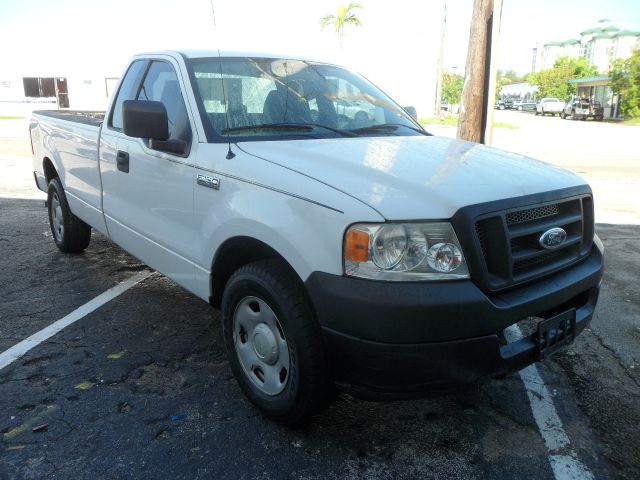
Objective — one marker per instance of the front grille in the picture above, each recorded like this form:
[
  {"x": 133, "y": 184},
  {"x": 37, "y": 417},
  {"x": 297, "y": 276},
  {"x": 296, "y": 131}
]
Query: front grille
[
  {"x": 509, "y": 240},
  {"x": 532, "y": 214}
]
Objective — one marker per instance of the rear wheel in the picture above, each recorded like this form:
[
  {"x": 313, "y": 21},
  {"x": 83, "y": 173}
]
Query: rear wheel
[
  {"x": 70, "y": 234},
  {"x": 273, "y": 342}
]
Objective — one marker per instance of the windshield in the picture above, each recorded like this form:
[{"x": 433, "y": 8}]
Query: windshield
[{"x": 244, "y": 99}]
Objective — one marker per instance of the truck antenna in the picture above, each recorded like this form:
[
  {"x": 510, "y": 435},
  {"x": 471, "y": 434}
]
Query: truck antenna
[{"x": 230, "y": 153}]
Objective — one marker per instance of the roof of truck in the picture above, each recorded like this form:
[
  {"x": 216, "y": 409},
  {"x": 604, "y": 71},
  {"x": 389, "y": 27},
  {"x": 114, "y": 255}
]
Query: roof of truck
[{"x": 232, "y": 53}]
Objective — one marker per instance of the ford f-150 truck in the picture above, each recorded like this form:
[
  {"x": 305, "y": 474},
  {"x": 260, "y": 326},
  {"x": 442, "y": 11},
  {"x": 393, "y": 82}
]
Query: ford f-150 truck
[
  {"x": 344, "y": 245},
  {"x": 549, "y": 105}
]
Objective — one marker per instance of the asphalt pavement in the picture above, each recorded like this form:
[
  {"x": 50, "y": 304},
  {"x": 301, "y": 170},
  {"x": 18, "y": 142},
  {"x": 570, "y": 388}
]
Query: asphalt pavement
[{"x": 140, "y": 387}]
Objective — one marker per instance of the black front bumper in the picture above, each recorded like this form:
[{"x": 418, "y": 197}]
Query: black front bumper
[{"x": 396, "y": 339}]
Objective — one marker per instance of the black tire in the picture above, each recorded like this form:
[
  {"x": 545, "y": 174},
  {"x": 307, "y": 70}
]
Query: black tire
[
  {"x": 306, "y": 387},
  {"x": 563, "y": 115},
  {"x": 70, "y": 234},
  {"x": 537, "y": 113}
]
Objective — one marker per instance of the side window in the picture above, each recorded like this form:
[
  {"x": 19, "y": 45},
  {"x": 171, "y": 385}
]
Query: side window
[
  {"x": 161, "y": 85},
  {"x": 127, "y": 91}
]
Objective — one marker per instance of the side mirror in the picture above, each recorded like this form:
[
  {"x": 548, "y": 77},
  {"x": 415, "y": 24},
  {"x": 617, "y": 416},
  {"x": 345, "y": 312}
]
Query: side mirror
[
  {"x": 412, "y": 112},
  {"x": 148, "y": 119},
  {"x": 145, "y": 119}
]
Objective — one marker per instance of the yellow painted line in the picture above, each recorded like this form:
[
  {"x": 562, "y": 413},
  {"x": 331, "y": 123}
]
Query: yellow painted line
[
  {"x": 29, "y": 424},
  {"x": 117, "y": 355},
  {"x": 84, "y": 386}
]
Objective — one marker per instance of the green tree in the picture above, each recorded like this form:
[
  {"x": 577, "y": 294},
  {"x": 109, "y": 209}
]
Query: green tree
[
  {"x": 579, "y": 67},
  {"x": 553, "y": 81},
  {"x": 625, "y": 80},
  {"x": 452, "y": 87},
  {"x": 344, "y": 17}
]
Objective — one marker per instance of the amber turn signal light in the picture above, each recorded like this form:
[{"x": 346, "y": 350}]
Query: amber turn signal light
[{"x": 356, "y": 247}]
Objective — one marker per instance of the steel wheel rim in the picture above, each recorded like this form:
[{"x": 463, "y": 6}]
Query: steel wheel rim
[
  {"x": 260, "y": 345},
  {"x": 57, "y": 222}
]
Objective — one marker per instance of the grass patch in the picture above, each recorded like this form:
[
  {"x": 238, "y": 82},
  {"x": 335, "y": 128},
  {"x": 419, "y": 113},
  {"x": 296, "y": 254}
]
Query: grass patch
[
  {"x": 632, "y": 121},
  {"x": 450, "y": 120},
  {"x": 510, "y": 126},
  {"x": 11, "y": 117}
]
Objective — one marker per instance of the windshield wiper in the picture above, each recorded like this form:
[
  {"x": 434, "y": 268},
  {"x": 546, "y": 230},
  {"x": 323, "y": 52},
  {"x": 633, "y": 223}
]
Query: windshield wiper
[
  {"x": 306, "y": 127},
  {"x": 390, "y": 127}
]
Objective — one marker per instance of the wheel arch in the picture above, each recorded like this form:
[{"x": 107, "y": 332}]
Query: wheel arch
[
  {"x": 49, "y": 169},
  {"x": 234, "y": 253}
]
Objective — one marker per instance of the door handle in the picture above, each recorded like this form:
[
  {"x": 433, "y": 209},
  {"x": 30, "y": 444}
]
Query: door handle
[{"x": 122, "y": 159}]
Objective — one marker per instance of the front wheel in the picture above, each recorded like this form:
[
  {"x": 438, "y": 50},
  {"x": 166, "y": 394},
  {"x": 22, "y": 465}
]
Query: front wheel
[
  {"x": 274, "y": 343},
  {"x": 70, "y": 234},
  {"x": 563, "y": 115}
]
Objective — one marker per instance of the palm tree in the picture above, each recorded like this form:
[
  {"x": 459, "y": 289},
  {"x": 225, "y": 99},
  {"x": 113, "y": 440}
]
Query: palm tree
[{"x": 344, "y": 16}]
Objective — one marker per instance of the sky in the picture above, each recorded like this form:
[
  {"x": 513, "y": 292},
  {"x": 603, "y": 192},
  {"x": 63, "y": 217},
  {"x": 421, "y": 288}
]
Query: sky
[{"x": 397, "y": 43}]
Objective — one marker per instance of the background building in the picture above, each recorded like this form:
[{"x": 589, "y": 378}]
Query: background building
[
  {"x": 601, "y": 46},
  {"x": 521, "y": 90}
]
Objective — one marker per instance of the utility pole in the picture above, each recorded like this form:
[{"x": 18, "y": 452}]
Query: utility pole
[
  {"x": 476, "y": 109},
  {"x": 438, "y": 104}
]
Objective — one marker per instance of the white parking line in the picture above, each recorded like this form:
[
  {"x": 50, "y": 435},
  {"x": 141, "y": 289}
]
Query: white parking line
[
  {"x": 14, "y": 353},
  {"x": 564, "y": 461}
]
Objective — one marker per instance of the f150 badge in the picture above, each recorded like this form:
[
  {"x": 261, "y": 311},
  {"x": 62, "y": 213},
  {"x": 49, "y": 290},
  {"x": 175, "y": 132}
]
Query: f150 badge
[
  {"x": 553, "y": 238},
  {"x": 208, "y": 181}
]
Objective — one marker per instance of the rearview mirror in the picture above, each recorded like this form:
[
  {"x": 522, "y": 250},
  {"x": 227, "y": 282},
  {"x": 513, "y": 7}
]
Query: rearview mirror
[
  {"x": 145, "y": 119},
  {"x": 412, "y": 112}
]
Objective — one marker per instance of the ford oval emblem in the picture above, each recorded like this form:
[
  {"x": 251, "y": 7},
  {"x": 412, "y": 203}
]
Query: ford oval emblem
[{"x": 553, "y": 238}]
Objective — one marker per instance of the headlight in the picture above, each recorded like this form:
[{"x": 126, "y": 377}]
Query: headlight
[{"x": 404, "y": 252}]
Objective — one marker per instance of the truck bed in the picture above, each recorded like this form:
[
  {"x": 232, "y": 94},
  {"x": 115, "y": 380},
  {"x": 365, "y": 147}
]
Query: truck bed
[{"x": 87, "y": 117}]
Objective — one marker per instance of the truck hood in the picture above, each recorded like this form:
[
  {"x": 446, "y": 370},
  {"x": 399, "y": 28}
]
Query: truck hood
[{"x": 412, "y": 178}]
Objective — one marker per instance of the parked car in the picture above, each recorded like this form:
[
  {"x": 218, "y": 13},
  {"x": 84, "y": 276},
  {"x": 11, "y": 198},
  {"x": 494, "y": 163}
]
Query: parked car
[
  {"x": 550, "y": 106},
  {"x": 506, "y": 103},
  {"x": 524, "y": 104},
  {"x": 348, "y": 257},
  {"x": 581, "y": 108}
]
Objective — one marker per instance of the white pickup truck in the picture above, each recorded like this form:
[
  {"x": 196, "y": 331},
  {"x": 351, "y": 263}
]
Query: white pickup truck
[
  {"x": 552, "y": 106},
  {"x": 344, "y": 245}
]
